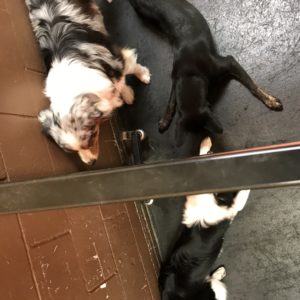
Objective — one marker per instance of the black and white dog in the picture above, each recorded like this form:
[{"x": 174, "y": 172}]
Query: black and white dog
[
  {"x": 86, "y": 72},
  {"x": 197, "y": 65},
  {"x": 187, "y": 273}
]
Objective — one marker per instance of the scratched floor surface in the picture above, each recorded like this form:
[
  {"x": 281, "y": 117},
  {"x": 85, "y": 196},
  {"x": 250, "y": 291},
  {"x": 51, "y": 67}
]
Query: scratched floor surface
[{"x": 84, "y": 254}]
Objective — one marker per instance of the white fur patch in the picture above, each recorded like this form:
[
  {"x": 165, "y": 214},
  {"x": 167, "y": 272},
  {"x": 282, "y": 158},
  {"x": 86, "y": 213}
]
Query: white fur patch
[
  {"x": 240, "y": 199},
  {"x": 44, "y": 13},
  {"x": 69, "y": 79},
  {"x": 203, "y": 209},
  {"x": 205, "y": 146},
  {"x": 70, "y": 139},
  {"x": 219, "y": 289},
  {"x": 132, "y": 67},
  {"x": 219, "y": 273}
]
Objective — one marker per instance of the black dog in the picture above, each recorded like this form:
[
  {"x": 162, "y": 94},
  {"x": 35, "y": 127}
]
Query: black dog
[
  {"x": 186, "y": 274},
  {"x": 197, "y": 65}
]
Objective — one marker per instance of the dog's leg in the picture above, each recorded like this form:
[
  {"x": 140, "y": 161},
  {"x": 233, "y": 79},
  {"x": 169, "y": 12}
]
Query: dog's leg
[
  {"x": 127, "y": 94},
  {"x": 230, "y": 66},
  {"x": 166, "y": 120},
  {"x": 132, "y": 67},
  {"x": 180, "y": 133},
  {"x": 125, "y": 91}
]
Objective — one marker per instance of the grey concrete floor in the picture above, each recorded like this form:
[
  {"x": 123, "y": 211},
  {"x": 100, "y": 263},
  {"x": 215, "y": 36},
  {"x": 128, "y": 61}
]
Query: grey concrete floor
[{"x": 262, "y": 248}]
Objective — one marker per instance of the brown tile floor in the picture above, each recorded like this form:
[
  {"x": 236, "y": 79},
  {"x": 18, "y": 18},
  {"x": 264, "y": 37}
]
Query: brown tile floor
[{"x": 86, "y": 253}]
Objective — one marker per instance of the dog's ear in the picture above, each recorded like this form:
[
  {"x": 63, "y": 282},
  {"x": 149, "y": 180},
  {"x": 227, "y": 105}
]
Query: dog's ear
[
  {"x": 212, "y": 124},
  {"x": 216, "y": 284},
  {"x": 240, "y": 199},
  {"x": 219, "y": 273}
]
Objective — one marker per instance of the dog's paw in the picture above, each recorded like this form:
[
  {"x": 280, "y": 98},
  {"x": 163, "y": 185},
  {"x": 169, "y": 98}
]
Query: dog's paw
[
  {"x": 274, "y": 103},
  {"x": 127, "y": 95},
  {"x": 145, "y": 76},
  {"x": 46, "y": 118},
  {"x": 163, "y": 125},
  {"x": 205, "y": 146},
  {"x": 270, "y": 101},
  {"x": 42, "y": 116},
  {"x": 109, "y": 1}
]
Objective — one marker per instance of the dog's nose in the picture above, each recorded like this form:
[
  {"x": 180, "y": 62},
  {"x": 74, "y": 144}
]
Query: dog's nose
[{"x": 92, "y": 162}]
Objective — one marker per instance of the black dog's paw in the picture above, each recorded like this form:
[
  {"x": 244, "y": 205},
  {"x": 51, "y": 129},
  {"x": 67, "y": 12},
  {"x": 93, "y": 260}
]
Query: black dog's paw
[
  {"x": 163, "y": 125},
  {"x": 272, "y": 102},
  {"x": 275, "y": 104}
]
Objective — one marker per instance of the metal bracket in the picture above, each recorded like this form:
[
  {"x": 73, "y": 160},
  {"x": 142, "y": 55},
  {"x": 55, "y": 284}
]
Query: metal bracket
[
  {"x": 132, "y": 141},
  {"x": 134, "y": 138}
]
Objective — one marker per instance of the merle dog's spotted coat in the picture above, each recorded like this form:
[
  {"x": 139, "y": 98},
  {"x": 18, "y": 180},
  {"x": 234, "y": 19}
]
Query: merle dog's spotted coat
[
  {"x": 86, "y": 72},
  {"x": 62, "y": 27}
]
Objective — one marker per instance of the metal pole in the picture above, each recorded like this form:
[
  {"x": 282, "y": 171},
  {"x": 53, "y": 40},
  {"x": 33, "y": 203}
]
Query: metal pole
[{"x": 253, "y": 169}]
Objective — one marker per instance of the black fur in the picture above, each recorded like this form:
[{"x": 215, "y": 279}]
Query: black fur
[
  {"x": 184, "y": 274},
  {"x": 197, "y": 65}
]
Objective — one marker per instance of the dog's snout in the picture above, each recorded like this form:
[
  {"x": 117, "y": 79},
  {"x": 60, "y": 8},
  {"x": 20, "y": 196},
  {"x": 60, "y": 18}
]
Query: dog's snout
[
  {"x": 88, "y": 157},
  {"x": 92, "y": 162}
]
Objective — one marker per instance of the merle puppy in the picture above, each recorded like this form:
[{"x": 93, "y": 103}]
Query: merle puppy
[
  {"x": 197, "y": 65},
  {"x": 187, "y": 273},
  {"x": 86, "y": 72}
]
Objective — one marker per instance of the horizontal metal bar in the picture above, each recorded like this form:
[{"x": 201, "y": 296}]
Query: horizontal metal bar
[{"x": 255, "y": 169}]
